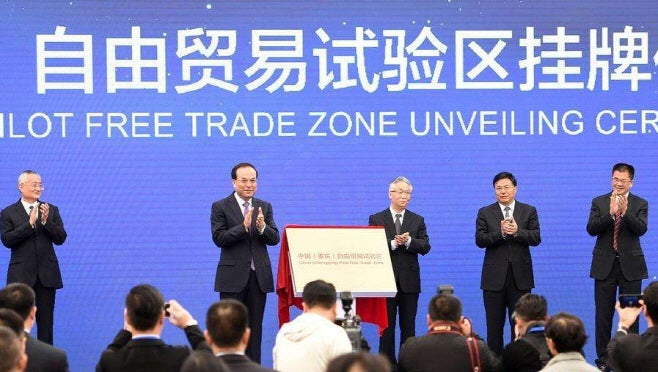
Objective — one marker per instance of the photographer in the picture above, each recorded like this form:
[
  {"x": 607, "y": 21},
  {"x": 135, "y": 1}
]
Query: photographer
[
  {"x": 529, "y": 351},
  {"x": 310, "y": 341},
  {"x": 632, "y": 352},
  {"x": 138, "y": 346},
  {"x": 449, "y": 345}
]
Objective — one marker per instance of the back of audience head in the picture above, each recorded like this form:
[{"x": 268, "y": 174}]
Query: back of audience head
[
  {"x": 12, "y": 351},
  {"x": 319, "y": 293},
  {"x": 359, "y": 362},
  {"x": 144, "y": 307},
  {"x": 531, "y": 307},
  {"x": 18, "y": 297},
  {"x": 10, "y": 319},
  {"x": 565, "y": 333},
  {"x": 650, "y": 300},
  {"x": 444, "y": 307},
  {"x": 203, "y": 361},
  {"x": 227, "y": 323}
]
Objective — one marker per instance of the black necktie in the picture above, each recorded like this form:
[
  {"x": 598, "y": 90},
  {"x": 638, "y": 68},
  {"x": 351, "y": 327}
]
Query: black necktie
[
  {"x": 398, "y": 224},
  {"x": 507, "y": 212}
]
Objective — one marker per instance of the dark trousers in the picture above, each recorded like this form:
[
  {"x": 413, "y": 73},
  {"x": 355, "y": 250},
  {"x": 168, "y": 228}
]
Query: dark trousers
[
  {"x": 45, "y": 303},
  {"x": 407, "y": 303},
  {"x": 605, "y": 297},
  {"x": 496, "y": 303},
  {"x": 254, "y": 300}
]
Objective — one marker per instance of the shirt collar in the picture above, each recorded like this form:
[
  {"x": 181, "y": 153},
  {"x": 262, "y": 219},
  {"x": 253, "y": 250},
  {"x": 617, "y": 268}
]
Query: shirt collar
[
  {"x": 27, "y": 205},
  {"x": 393, "y": 213},
  {"x": 511, "y": 207},
  {"x": 241, "y": 201},
  {"x": 147, "y": 336}
]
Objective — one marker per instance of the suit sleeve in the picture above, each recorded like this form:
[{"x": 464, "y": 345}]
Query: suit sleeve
[
  {"x": 637, "y": 222},
  {"x": 421, "y": 242},
  {"x": 483, "y": 236},
  {"x": 14, "y": 234},
  {"x": 599, "y": 220},
  {"x": 222, "y": 235},
  {"x": 54, "y": 227},
  {"x": 490, "y": 362},
  {"x": 622, "y": 349},
  {"x": 270, "y": 235},
  {"x": 529, "y": 233},
  {"x": 372, "y": 221},
  {"x": 196, "y": 339},
  {"x": 120, "y": 340}
]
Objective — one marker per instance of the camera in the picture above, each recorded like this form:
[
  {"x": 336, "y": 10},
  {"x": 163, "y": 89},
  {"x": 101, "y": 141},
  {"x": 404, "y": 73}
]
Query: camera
[
  {"x": 352, "y": 323},
  {"x": 630, "y": 300},
  {"x": 445, "y": 289}
]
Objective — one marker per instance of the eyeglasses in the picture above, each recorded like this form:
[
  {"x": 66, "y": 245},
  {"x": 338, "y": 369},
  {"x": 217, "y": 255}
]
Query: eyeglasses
[
  {"x": 619, "y": 180},
  {"x": 35, "y": 186},
  {"x": 244, "y": 181},
  {"x": 506, "y": 188},
  {"x": 401, "y": 192}
]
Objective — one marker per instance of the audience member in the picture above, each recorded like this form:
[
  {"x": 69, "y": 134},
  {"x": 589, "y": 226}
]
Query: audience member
[
  {"x": 12, "y": 353},
  {"x": 632, "y": 352},
  {"x": 565, "y": 335},
  {"x": 310, "y": 341},
  {"x": 10, "y": 319},
  {"x": 138, "y": 346},
  {"x": 41, "y": 356},
  {"x": 449, "y": 345},
  {"x": 228, "y": 332},
  {"x": 529, "y": 352},
  {"x": 203, "y": 361},
  {"x": 359, "y": 362}
]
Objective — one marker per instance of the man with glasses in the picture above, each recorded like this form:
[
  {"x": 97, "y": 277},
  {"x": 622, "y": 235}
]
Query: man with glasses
[
  {"x": 406, "y": 238},
  {"x": 618, "y": 219},
  {"x": 30, "y": 227},
  {"x": 242, "y": 227},
  {"x": 506, "y": 230}
]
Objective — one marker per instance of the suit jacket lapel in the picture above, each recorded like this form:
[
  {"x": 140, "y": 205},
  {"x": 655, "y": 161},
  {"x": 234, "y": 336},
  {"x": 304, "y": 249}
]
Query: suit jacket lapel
[
  {"x": 20, "y": 211},
  {"x": 518, "y": 209},
  {"x": 406, "y": 222},
  {"x": 389, "y": 224},
  {"x": 236, "y": 209}
]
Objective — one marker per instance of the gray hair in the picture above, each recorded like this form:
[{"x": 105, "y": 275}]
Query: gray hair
[
  {"x": 23, "y": 176},
  {"x": 398, "y": 180}
]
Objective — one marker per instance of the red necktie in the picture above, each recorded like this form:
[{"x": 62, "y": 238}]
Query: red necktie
[{"x": 615, "y": 234}]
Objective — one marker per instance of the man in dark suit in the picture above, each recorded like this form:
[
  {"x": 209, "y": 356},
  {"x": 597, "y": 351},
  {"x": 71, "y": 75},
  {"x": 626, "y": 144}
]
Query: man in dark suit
[
  {"x": 243, "y": 226},
  {"x": 529, "y": 351},
  {"x": 228, "y": 335},
  {"x": 506, "y": 229},
  {"x": 449, "y": 345},
  {"x": 618, "y": 219},
  {"x": 632, "y": 352},
  {"x": 406, "y": 238},
  {"x": 138, "y": 347},
  {"x": 41, "y": 356},
  {"x": 30, "y": 228}
]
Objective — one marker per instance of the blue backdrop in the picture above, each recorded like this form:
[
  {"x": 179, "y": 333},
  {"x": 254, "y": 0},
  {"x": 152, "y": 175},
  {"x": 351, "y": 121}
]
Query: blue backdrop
[{"x": 134, "y": 113}]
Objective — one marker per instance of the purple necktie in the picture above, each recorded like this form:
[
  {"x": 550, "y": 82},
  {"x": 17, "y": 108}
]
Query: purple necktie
[{"x": 244, "y": 213}]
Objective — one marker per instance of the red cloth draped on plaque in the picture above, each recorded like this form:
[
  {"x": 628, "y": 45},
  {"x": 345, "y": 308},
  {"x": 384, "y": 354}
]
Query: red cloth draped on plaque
[{"x": 370, "y": 309}]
